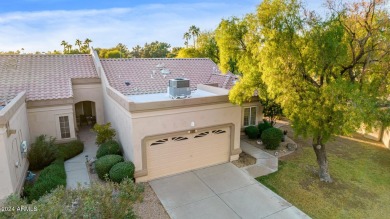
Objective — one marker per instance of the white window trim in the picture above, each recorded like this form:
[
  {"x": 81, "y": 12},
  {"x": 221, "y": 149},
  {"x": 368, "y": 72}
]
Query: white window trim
[{"x": 250, "y": 112}]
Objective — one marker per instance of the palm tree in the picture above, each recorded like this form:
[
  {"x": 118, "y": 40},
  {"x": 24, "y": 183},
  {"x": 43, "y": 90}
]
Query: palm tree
[
  {"x": 69, "y": 47},
  {"x": 87, "y": 42},
  {"x": 186, "y": 37},
  {"x": 194, "y": 31},
  {"x": 78, "y": 43},
  {"x": 64, "y": 44}
]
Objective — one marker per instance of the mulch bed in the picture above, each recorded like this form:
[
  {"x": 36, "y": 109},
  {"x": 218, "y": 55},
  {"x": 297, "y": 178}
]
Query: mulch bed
[{"x": 244, "y": 160}]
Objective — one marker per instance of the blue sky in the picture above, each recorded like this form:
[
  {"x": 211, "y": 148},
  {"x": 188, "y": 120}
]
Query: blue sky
[{"x": 40, "y": 25}]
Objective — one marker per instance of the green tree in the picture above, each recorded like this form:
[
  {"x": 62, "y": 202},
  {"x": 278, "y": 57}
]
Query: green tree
[
  {"x": 207, "y": 45},
  {"x": 125, "y": 53},
  {"x": 104, "y": 133},
  {"x": 154, "y": 49},
  {"x": 173, "y": 52},
  {"x": 189, "y": 53},
  {"x": 113, "y": 54},
  {"x": 136, "y": 52},
  {"x": 330, "y": 74},
  {"x": 271, "y": 109},
  {"x": 229, "y": 37},
  {"x": 206, "y": 48}
]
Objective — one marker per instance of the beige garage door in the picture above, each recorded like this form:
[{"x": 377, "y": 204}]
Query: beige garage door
[{"x": 182, "y": 152}]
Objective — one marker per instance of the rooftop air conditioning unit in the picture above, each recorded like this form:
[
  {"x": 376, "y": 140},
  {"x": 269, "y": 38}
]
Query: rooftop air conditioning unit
[{"x": 179, "y": 88}]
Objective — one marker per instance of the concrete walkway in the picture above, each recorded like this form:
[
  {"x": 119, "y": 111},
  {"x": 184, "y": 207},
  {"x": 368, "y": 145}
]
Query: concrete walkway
[
  {"x": 265, "y": 163},
  {"x": 222, "y": 191},
  {"x": 76, "y": 169}
]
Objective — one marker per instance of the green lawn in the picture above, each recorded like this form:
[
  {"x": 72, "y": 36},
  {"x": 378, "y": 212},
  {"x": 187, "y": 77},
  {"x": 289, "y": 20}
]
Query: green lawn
[{"x": 360, "y": 170}]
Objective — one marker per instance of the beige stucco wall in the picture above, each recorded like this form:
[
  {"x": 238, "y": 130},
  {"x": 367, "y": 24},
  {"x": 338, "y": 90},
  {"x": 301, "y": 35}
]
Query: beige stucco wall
[
  {"x": 45, "y": 120},
  {"x": 116, "y": 114},
  {"x": 134, "y": 121},
  {"x": 373, "y": 133},
  {"x": 386, "y": 137},
  {"x": 121, "y": 121},
  {"x": 90, "y": 92},
  {"x": 6, "y": 187},
  {"x": 13, "y": 165},
  {"x": 174, "y": 120}
]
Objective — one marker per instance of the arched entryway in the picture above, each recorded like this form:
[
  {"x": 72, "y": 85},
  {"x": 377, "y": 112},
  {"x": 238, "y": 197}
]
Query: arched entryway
[{"x": 85, "y": 113}]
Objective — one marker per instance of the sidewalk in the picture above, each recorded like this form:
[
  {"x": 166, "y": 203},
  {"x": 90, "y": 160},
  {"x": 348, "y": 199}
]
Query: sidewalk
[
  {"x": 265, "y": 163},
  {"x": 76, "y": 169}
]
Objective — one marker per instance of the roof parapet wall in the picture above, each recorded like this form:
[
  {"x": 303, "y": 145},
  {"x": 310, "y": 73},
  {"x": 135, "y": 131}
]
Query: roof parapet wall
[{"x": 9, "y": 110}]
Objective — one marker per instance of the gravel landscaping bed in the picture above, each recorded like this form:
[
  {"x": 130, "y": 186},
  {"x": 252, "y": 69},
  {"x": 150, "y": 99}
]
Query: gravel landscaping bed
[
  {"x": 244, "y": 160},
  {"x": 281, "y": 151},
  {"x": 150, "y": 207}
]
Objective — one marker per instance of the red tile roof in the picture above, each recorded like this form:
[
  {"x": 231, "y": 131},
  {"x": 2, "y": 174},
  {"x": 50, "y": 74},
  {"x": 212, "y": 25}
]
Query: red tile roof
[
  {"x": 43, "y": 77},
  {"x": 146, "y": 75}
]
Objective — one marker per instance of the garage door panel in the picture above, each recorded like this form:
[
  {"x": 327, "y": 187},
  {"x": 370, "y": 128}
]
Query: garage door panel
[
  {"x": 173, "y": 150},
  {"x": 201, "y": 149},
  {"x": 194, "y": 154},
  {"x": 183, "y": 165}
]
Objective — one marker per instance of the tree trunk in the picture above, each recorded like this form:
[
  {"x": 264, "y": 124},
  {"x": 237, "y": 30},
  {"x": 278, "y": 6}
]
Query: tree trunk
[{"x": 319, "y": 149}]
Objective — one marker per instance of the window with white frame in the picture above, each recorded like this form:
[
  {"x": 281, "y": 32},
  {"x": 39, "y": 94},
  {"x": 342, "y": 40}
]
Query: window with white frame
[
  {"x": 250, "y": 115},
  {"x": 64, "y": 126}
]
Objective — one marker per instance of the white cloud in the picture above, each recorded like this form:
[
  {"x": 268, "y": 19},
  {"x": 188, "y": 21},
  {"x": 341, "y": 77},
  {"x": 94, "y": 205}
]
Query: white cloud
[{"x": 44, "y": 30}]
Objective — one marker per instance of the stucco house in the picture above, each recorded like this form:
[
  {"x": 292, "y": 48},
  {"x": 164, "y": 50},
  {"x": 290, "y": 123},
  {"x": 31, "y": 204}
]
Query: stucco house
[{"x": 162, "y": 134}]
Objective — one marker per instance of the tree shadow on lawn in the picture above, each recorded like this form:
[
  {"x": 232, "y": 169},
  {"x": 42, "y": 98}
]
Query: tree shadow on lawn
[{"x": 358, "y": 167}]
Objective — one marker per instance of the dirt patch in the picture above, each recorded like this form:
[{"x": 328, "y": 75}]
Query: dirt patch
[
  {"x": 244, "y": 160},
  {"x": 151, "y": 206}
]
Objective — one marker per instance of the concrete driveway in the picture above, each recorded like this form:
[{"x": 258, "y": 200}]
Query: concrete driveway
[{"x": 222, "y": 191}]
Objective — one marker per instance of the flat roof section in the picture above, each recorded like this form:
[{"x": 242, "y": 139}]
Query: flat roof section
[{"x": 146, "y": 98}]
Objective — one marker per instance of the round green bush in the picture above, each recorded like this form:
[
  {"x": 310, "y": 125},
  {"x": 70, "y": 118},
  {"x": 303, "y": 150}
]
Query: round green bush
[
  {"x": 252, "y": 132},
  {"x": 121, "y": 171},
  {"x": 109, "y": 147},
  {"x": 272, "y": 138},
  {"x": 104, "y": 164},
  {"x": 263, "y": 126}
]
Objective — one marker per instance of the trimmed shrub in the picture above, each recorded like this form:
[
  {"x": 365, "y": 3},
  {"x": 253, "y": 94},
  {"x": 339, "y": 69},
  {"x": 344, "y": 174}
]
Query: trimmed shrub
[
  {"x": 104, "y": 164},
  {"x": 41, "y": 153},
  {"x": 103, "y": 132},
  {"x": 121, "y": 171},
  {"x": 252, "y": 132},
  {"x": 264, "y": 126},
  {"x": 69, "y": 150},
  {"x": 272, "y": 138},
  {"x": 50, "y": 178},
  {"x": 109, "y": 147},
  {"x": 99, "y": 200}
]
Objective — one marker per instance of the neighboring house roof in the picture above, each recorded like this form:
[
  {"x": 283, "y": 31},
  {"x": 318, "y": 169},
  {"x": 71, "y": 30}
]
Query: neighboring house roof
[
  {"x": 146, "y": 76},
  {"x": 43, "y": 77}
]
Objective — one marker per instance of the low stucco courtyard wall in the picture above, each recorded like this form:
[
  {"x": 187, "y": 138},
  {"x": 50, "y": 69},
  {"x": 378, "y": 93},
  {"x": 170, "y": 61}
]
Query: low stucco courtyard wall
[{"x": 14, "y": 130}]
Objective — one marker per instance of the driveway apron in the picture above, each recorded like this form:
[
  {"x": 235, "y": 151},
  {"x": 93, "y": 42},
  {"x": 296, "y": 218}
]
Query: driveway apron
[{"x": 221, "y": 191}]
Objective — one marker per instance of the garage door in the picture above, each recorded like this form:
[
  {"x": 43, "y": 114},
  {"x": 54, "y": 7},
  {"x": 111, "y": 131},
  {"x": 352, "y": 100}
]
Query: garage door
[{"x": 183, "y": 152}]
